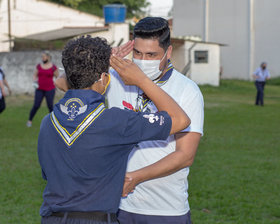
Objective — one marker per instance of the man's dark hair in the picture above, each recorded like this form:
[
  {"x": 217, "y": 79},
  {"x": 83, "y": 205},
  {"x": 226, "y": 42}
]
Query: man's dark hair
[
  {"x": 153, "y": 28},
  {"x": 84, "y": 60}
]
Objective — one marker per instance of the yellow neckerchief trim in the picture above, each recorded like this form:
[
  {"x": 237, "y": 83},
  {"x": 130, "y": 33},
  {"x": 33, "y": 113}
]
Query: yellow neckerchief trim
[
  {"x": 170, "y": 66},
  {"x": 81, "y": 122},
  {"x": 70, "y": 135}
]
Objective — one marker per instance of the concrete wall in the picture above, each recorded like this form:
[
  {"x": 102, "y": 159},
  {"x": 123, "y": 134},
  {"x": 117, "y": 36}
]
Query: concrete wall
[
  {"x": 188, "y": 17},
  {"x": 229, "y": 23},
  {"x": 20, "y": 66},
  {"x": 206, "y": 73},
  {"x": 267, "y": 38},
  {"x": 179, "y": 57},
  {"x": 116, "y": 33}
]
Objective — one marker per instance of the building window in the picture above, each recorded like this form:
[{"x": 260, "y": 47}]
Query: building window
[{"x": 201, "y": 57}]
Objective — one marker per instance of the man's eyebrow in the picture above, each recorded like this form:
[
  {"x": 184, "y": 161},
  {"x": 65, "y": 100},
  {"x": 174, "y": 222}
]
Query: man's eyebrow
[{"x": 152, "y": 52}]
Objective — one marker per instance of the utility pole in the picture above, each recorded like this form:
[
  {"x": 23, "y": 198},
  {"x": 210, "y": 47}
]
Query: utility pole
[
  {"x": 206, "y": 20},
  {"x": 9, "y": 26},
  {"x": 251, "y": 38}
]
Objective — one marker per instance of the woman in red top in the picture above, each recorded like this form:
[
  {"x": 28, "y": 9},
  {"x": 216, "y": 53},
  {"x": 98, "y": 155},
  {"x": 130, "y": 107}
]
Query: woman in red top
[{"x": 43, "y": 75}]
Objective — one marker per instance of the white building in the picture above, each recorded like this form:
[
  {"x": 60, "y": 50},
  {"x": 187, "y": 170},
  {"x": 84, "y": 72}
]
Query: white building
[
  {"x": 200, "y": 61},
  {"x": 248, "y": 27},
  {"x": 42, "y": 20}
]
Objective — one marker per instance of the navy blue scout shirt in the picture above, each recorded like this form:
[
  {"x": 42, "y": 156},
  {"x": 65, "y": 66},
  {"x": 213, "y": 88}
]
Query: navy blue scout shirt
[{"x": 83, "y": 150}]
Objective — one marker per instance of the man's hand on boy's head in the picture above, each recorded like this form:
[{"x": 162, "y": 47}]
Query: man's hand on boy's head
[
  {"x": 129, "y": 72},
  {"x": 123, "y": 50}
]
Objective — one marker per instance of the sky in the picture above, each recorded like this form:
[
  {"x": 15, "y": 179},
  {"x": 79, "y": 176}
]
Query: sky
[{"x": 160, "y": 7}]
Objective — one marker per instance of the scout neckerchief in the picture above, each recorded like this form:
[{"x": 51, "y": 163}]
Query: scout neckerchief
[
  {"x": 70, "y": 138},
  {"x": 144, "y": 100},
  {"x": 74, "y": 113}
]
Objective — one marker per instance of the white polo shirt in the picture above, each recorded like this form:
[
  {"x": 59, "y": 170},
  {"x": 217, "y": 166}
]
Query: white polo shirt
[
  {"x": 261, "y": 74},
  {"x": 166, "y": 196}
]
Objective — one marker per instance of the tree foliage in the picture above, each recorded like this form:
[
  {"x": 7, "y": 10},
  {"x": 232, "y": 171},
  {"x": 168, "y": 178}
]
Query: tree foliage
[
  {"x": 135, "y": 8},
  {"x": 71, "y": 3}
]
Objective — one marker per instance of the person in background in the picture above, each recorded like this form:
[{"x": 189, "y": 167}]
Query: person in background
[
  {"x": 3, "y": 83},
  {"x": 82, "y": 147},
  {"x": 44, "y": 85},
  {"x": 261, "y": 75}
]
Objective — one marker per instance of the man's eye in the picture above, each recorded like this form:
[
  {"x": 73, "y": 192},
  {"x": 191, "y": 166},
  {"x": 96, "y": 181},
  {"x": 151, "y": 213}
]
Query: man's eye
[{"x": 136, "y": 52}]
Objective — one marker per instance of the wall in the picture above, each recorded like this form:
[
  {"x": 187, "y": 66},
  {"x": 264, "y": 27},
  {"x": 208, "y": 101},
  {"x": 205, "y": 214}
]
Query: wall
[
  {"x": 188, "y": 17},
  {"x": 206, "y": 73},
  {"x": 229, "y": 24},
  {"x": 117, "y": 31},
  {"x": 179, "y": 57},
  {"x": 267, "y": 35},
  {"x": 20, "y": 66}
]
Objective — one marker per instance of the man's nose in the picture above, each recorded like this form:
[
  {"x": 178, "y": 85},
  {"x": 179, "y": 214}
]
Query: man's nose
[{"x": 144, "y": 57}]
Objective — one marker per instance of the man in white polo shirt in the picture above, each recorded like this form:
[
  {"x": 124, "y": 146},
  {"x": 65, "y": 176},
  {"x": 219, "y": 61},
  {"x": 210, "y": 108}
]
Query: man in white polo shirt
[{"x": 157, "y": 174}]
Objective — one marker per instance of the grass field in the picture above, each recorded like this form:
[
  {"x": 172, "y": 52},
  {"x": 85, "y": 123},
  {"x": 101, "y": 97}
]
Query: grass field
[{"x": 234, "y": 179}]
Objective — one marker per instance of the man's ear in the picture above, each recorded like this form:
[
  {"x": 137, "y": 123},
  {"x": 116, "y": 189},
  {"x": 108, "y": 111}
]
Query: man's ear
[{"x": 169, "y": 52}]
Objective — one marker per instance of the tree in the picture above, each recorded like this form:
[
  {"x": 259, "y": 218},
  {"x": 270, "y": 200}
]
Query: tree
[
  {"x": 71, "y": 3},
  {"x": 135, "y": 8}
]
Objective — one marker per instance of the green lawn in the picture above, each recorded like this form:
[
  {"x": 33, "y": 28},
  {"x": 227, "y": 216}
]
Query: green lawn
[
  {"x": 235, "y": 176},
  {"x": 234, "y": 179}
]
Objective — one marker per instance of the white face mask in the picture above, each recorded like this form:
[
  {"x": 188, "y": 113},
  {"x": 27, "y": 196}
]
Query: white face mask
[{"x": 150, "y": 67}]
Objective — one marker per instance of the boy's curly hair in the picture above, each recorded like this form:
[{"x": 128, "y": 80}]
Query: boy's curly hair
[{"x": 84, "y": 60}]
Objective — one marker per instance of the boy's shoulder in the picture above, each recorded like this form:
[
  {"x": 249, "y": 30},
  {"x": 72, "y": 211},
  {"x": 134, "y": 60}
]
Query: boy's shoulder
[{"x": 45, "y": 121}]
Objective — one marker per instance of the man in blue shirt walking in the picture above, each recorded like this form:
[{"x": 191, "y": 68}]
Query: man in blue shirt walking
[
  {"x": 261, "y": 75},
  {"x": 83, "y": 147}
]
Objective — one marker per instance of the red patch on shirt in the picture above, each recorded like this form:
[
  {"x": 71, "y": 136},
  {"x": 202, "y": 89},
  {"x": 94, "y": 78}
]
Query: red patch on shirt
[{"x": 127, "y": 105}]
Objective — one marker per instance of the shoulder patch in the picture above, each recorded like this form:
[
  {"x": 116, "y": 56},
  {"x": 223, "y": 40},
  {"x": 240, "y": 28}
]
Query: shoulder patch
[{"x": 151, "y": 117}]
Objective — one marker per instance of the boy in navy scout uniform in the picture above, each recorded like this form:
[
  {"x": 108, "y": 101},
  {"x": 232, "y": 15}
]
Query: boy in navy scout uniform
[{"x": 83, "y": 147}]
